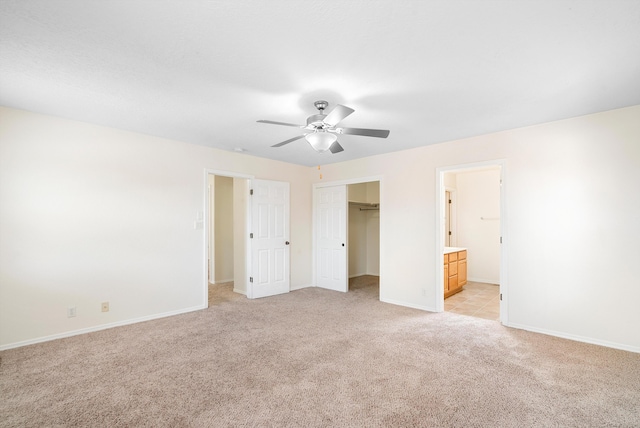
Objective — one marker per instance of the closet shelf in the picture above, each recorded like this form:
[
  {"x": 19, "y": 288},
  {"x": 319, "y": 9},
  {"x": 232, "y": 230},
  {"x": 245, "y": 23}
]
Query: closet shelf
[{"x": 365, "y": 206}]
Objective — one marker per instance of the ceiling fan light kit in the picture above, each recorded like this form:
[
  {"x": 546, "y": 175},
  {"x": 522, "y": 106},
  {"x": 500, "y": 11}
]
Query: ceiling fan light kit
[
  {"x": 323, "y": 128},
  {"x": 321, "y": 141}
]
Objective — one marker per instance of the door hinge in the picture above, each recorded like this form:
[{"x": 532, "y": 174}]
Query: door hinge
[
  {"x": 449, "y": 200},
  {"x": 500, "y": 296},
  {"x": 250, "y": 279},
  {"x": 251, "y": 192},
  {"x": 501, "y": 239},
  {"x": 251, "y": 235},
  {"x": 450, "y": 233}
]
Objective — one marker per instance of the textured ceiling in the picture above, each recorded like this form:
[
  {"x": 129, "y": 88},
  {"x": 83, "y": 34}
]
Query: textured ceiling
[{"x": 430, "y": 71}]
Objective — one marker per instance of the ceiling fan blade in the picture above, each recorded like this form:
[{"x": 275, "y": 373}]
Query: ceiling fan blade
[
  {"x": 290, "y": 140},
  {"x": 379, "y": 133},
  {"x": 336, "y": 148},
  {"x": 338, "y": 113},
  {"x": 273, "y": 122}
]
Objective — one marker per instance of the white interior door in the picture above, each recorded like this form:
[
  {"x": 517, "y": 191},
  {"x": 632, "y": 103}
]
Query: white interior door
[
  {"x": 331, "y": 238},
  {"x": 270, "y": 242}
]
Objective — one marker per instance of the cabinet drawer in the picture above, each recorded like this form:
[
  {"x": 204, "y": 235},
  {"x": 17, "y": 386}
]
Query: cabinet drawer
[
  {"x": 453, "y": 257},
  {"x": 453, "y": 282},
  {"x": 462, "y": 255},
  {"x": 453, "y": 268}
]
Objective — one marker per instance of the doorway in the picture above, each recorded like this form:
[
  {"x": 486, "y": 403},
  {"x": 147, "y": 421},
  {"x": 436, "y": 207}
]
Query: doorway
[
  {"x": 364, "y": 237},
  {"x": 227, "y": 216},
  {"x": 471, "y": 240},
  {"x": 347, "y": 246}
]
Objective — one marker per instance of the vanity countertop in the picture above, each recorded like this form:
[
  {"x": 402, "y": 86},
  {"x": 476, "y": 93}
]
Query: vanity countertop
[{"x": 448, "y": 250}]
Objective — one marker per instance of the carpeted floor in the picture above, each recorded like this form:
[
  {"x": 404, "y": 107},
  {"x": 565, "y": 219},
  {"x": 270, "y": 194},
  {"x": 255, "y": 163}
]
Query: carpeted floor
[{"x": 314, "y": 357}]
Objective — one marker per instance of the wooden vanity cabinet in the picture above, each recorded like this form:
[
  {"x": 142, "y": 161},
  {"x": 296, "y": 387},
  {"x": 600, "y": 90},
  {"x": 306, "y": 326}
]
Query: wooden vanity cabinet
[
  {"x": 446, "y": 274},
  {"x": 455, "y": 272}
]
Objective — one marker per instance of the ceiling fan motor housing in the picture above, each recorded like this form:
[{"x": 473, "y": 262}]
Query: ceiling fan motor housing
[{"x": 316, "y": 120}]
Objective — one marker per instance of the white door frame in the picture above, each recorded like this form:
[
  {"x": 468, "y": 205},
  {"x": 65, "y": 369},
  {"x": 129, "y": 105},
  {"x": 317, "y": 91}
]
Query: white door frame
[
  {"x": 210, "y": 219},
  {"x": 208, "y": 232},
  {"x": 359, "y": 180},
  {"x": 440, "y": 226}
]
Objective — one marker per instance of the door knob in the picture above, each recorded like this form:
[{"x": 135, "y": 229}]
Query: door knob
[{"x": 286, "y": 243}]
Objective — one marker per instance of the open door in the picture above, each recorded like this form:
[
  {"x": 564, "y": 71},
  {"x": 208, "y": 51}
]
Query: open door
[
  {"x": 331, "y": 238},
  {"x": 270, "y": 239}
]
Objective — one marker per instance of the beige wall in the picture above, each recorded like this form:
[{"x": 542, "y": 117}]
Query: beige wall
[
  {"x": 478, "y": 222},
  {"x": 224, "y": 228},
  {"x": 91, "y": 214}
]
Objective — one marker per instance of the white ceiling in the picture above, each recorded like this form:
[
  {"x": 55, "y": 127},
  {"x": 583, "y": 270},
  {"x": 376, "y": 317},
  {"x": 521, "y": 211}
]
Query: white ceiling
[{"x": 430, "y": 71}]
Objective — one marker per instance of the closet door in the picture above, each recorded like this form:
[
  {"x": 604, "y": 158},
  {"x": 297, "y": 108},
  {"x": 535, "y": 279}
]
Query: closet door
[{"x": 331, "y": 238}]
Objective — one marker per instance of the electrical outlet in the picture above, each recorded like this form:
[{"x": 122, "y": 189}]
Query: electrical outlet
[
  {"x": 71, "y": 311},
  {"x": 105, "y": 306}
]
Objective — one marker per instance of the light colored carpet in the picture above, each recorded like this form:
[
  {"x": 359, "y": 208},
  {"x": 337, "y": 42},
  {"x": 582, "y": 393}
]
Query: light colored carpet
[{"x": 318, "y": 358}]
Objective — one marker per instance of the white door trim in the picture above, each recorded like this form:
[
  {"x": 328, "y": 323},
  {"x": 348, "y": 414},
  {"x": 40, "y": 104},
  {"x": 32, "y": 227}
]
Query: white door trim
[
  {"x": 207, "y": 225},
  {"x": 440, "y": 226},
  {"x": 350, "y": 181}
]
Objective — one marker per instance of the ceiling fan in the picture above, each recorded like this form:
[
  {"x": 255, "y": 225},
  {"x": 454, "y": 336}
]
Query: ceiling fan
[{"x": 321, "y": 129}]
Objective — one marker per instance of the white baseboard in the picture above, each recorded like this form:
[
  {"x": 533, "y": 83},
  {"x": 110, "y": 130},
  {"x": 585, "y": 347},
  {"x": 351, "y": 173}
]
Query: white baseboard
[
  {"x": 486, "y": 281},
  {"x": 577, "y": 338},
  {"x": 237, "y": 290},
  {"x": 363, "y": 274},
  {"x": 222, "y": 281},
  {"x": 100, "y": 327}
]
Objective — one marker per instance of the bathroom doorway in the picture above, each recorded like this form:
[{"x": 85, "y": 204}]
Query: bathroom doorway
[{"x": 471, "y": 204}]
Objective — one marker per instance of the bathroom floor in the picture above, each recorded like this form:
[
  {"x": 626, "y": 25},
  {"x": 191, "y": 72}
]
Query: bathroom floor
[{"x": 477, "y": 299}]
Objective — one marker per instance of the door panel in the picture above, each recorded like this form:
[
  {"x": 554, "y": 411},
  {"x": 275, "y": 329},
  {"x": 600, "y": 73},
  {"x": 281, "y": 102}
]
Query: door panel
[
  {"x": 270, "y": 246},
  {"x": 331, "y": 227}
]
